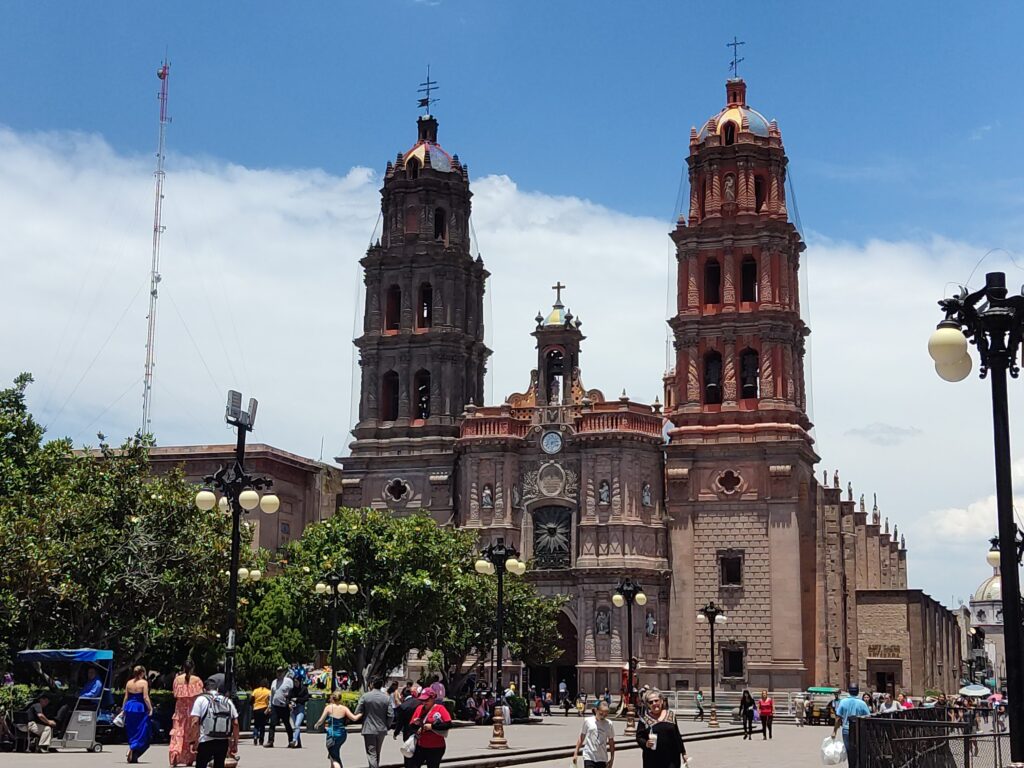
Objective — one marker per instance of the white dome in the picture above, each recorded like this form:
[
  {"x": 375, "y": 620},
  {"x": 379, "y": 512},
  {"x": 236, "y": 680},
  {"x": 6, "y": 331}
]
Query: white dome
[{"x": 991, "y": 589}]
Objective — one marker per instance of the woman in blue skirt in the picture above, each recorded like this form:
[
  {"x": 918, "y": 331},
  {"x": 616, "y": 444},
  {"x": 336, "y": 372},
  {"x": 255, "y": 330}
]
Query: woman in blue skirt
[{"x": 138, "y": 710}]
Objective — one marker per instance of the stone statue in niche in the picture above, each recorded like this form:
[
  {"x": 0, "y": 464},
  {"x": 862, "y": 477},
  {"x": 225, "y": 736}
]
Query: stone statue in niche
[
  {"x": 645, "y": 494},
  {"x": 515, "y": 497},
  {"x": 602, "y": 622},
  {"x": 604, "y": 493},
  {"x": 651, "y": 625},
  {"x": 487, "y": 497},
  {"x": 730, "y": 188}
]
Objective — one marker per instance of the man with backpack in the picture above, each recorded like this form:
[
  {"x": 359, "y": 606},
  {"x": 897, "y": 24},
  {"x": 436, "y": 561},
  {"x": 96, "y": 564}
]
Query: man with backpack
[{"x": 215, "y": 720}]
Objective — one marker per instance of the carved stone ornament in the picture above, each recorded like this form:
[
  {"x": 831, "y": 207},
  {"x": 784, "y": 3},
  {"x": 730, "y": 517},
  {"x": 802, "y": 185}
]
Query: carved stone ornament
[
  {"x": 678, "y": 474},
  {"x": 551, "y": 480},
  {"x": 728, "y": 482},
  {"x": 602, "y": 621},
  {"x": 548, "y": 481},
  {"x": 397, "y": 490}
]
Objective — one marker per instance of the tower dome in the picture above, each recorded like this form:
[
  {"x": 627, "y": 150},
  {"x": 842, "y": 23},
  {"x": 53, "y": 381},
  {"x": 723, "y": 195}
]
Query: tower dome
[
  {"x": 991, "y": 589},
  {"x": 426, "y": 151},
  {"x": 736, "y": 113}
]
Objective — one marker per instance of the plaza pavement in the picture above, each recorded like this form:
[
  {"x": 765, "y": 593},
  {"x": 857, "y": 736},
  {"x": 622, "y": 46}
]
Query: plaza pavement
[{"x": 792, "y": 747}]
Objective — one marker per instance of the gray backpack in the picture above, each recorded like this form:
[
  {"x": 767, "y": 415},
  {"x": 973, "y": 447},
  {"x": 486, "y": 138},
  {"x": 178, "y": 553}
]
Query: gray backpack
[{"x": 216, "y": 722}]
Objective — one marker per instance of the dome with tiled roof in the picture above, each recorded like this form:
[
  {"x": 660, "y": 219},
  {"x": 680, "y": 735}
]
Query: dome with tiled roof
[{"x": 736, "y": 111}]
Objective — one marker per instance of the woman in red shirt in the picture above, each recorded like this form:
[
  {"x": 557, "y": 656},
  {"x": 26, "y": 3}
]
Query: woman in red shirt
[
  {"x": 766, "y": 709},
  {"x": 433, "y": 722}
]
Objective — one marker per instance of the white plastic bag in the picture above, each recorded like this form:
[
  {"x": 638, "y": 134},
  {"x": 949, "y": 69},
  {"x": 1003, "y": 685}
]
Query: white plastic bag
[
  {"x": 833, "y": 751},
  {"x": 408, "y": 747},
  {"x": 119, "y": 720}
]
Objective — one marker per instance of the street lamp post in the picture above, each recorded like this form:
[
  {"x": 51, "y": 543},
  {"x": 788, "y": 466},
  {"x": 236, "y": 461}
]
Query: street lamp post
[
  {"x": 334, "y": 586},
  {"x": 627, "y": 593},
  {"x": 994, "y": 323},
  {"x": 712, "y": 615},
  {"x": 496, "y": 559},
  {"x": 239, "y": 492}
]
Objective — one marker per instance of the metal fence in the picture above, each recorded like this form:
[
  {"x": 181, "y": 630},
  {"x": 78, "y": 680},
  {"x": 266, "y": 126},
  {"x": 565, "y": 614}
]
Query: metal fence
[{"x": 937, "y": 737}]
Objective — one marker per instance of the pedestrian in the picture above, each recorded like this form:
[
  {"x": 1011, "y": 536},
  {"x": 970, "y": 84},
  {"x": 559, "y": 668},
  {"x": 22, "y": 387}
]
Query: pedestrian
[
  {"x": 438, "y": 688},
  {"x": 869, "y": 701},
  {"x": 766, "y": 711},
  {"x": 39, "y": 724},
  {"x": 334, "y": 715},
  {"x": 747, "y": 714},
  {"x": 888, "y": 705},
  {"x": 547, "y": 703},
  {"x": 566, "y": 704},
  {"x": 607, "y": 696},
  {"x": 658, "y": 735},
  {"x": 799, "y": 710},
  {"x": 260, "y": 712},
  {"x": 218, "y": 679},
  {"x": 214, "y": 727},
  {"x": 138, "y": 710},
  {"x": 377, "y": 710},
  {"x": 186, "y": 687},
  {"x": 563, "y": 692},
  {"x": 402, "y": 725},
  {"x": 432, "y": 722},
  {"x": 298, "y": 697},
  {"x": 700, "y": 705},
  {"x": 847, "y": 710},
  {"x": 596, "y": 739},
  {"x": 280, "y": 690}
]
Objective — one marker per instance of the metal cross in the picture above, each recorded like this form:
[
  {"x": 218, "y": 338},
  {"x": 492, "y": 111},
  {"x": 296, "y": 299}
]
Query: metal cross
[
  {"x": 557, "y": 288},
  {"x": 426, "y": 87},
  {"x": 735, "y": 45}
]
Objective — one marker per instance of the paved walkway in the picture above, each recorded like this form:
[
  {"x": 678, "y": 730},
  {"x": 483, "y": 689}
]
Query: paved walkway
[{"x": 792, "y": 747}]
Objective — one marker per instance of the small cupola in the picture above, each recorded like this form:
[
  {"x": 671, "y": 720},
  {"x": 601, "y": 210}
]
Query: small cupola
[
  {"x": 736, "y": 93},
  {"x": 426, "y": 126}
]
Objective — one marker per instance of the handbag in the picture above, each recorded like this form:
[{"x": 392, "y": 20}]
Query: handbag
[
  {"x": 119, "y": 720},
  {"x": 408, "y": 748}
]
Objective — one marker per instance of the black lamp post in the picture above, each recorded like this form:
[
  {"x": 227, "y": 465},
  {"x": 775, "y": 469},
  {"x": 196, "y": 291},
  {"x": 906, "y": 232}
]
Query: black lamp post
[
  {"x": 627, "y": 593},
  {"x": 238, "y": 493},
  {"x": 993, "y": 322},
  {"x": 712, "y": 615},
  {"x": 496, "y": 559},
  {"x": 334, "y": 585}
]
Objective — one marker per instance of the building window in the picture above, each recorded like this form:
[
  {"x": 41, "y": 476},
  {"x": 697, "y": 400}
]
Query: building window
[
  {"x": 393, "y": 309},
  {"x": 425, "y": 312},
  {"x": 749, "y": 373},
  {"x": 440, "y": 225},
  {"x": 730, "y": 133},
  {"x": 389, "y": 396},
  {"x": 730, "y": 568},
  {"x": 732, "y": 662},
  {"x": 748, "y": 279},
  {"x": 712, "y": 378},
  {"x": 412, "y": 168},
  {"x": 712, "y": 282},
  {"x": 421, "y": 385},
  {"x": 758, "y": 193}
]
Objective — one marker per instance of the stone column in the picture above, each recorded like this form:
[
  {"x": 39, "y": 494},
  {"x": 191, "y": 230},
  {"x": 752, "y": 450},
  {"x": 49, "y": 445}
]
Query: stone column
[
  {"x": 692, "y": 373},
  {"x": 786, "y": 614},
  {"x": 692, "y": 270},
  {"x": 766, "y": 388},
  {"x": 729, "y": 281},
  {"x": 729, "y": 374}
]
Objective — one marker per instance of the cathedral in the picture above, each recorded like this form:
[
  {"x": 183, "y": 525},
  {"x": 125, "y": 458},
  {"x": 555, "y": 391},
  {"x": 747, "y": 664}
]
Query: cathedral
[{"x": 711, "y": 496}]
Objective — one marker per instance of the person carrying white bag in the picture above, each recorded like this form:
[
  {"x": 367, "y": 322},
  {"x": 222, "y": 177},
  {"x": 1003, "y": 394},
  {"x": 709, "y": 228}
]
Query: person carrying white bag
[
  {"x": 846, "y": 710},
  {"x": 833, "y": 751}
]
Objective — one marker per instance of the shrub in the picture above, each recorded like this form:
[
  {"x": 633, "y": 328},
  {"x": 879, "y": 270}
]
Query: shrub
[{"x": 520, "y": 709}]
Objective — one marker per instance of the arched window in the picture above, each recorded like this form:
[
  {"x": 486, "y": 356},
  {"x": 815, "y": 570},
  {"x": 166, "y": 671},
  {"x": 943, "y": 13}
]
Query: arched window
[
  {"x": 425, "y": 307},
  {"x": 421, "y": 394},
  {"x": 412, "y": 168},
  {"x": 748, "y": 279},
  {"x": 393, "y": 309},
  {"x": 712, "y": 378},
  {"x": 750, "y": 371},
  {"x": 758, "y": 193},
  {"x": 712, "y": 282},
  {"x": 730, "y": 133},
  {"x": 389, "y": 396},
  {"x": 554, "y": 370},
  {"x": 440, "y": 225}
]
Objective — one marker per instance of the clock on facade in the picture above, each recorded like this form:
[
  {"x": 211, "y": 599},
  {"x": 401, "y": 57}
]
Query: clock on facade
[{"x": 551, "y": 442}]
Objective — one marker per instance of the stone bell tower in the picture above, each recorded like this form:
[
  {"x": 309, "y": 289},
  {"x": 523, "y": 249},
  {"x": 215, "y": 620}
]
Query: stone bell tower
[
  {"x": 422, "y": 355},
  {"x": 740, "y": 458}
]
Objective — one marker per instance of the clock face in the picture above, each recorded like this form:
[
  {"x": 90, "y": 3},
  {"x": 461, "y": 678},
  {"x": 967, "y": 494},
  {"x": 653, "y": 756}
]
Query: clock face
[{"x": 551, "y": 442}]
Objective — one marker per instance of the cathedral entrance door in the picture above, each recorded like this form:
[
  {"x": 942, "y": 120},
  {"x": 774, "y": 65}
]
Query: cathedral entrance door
[{"x": 547, "y": 677}]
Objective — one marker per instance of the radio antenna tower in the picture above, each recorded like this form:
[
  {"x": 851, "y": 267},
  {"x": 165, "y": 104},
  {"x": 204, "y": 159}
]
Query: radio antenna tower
[{"x": 158, "y": 229}]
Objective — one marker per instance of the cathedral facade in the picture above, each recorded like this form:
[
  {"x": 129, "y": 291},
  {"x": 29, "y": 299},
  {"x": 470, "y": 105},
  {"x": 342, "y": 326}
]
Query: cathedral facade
[{"x": 709, "y": 498}]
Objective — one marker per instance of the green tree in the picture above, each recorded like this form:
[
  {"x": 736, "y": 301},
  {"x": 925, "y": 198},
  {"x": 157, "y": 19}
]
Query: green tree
[
  {"x": 271, "y": 621},
  {"x": 97, "y": 552}
]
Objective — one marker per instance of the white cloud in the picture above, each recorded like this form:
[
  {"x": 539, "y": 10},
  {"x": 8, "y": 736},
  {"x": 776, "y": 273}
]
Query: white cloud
[{"x": 261, "y": 270}]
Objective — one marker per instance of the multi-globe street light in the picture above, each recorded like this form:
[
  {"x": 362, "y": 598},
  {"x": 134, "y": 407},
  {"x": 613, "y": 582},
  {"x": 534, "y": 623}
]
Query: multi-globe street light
[
  {"x": 627, "y": 593},
  {"x": 239, "y": 493},
  {"x": 712, "y": 615},
  {"x": 994, "y": 322},
  {"x": 333, "y": 585},
  {"x": 496, "y": 559}
]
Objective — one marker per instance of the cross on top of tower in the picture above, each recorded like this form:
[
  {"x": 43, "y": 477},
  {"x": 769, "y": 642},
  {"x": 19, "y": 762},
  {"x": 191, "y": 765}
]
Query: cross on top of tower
[
  {"x": 427, "y": 87},
  {"x": 734, "y": 65},
  {"x": 558, "y": 288}
]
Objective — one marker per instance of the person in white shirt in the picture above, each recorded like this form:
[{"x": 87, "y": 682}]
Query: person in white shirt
[
  {"x": 215, "y": 721},
  {"x": 888, "y": 705},
  {"x": 597, "y": 739}
]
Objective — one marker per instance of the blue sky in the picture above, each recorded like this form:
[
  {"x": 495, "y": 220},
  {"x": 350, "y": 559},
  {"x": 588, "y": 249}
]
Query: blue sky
[
  {"x": 901, "y": 122},
  {"x": 898, "y": 117}
]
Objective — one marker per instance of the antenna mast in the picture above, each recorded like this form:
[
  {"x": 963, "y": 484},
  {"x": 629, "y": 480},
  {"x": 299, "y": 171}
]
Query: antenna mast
[{"x": 158, "y": 229}]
